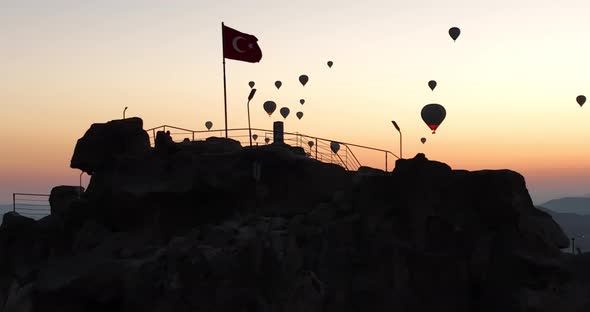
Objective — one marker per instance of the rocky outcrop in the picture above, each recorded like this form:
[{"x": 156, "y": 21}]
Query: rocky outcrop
[
  {"x": 211, "y": 226},
  {"x": 61, "y": 198},
  {"x": 104, "y": 141}
]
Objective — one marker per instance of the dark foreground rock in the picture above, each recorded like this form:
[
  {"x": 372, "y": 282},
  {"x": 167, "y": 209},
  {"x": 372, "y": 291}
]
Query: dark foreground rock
[{"x": 208, "y": 226}]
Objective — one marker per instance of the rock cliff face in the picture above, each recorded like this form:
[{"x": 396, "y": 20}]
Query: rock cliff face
[{"x": 212, "y": 226}]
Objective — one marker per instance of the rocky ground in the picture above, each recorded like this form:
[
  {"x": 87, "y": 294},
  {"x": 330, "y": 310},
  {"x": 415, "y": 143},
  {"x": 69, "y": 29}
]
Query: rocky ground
[{"x": 212, "y": 226}]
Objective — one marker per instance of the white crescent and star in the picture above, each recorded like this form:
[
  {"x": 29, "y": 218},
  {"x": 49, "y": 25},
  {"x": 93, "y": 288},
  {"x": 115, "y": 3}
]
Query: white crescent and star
[{"x": 235, "y": 44}]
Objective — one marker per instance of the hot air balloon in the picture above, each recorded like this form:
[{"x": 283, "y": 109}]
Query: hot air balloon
[
  {"x": 269, "y": 107},
  {"x": 423, "y": 140},
  {"x": 251, "y": 84},
  {"x": 266, "y": 140},
  {"x": 284, "y": 112},
  {"x": 310, "y": 143},
  {"x": 454, "y": 32},
  {"x": 330, "y": 63},
  {"x": 302, "y": 101},
  {"x": 303, "y": 79},
  {"x": 278, "y": 84},
  {"x": 335, "y": 147},
  {"x": 432, "y": 84},
  {"x": 299, "y": 115},
  {"x": 433, "y": 115},
  {"x": 255, "y": 136},
  {"x": 581, "y": 100},
  {"x": 208, "y": 125}
]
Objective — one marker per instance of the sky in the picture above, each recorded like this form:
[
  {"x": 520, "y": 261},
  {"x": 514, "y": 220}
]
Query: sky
[{"x": 508, "y": 83}]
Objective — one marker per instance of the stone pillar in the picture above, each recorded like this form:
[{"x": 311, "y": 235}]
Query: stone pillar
[{"x": 278, "y": 135}]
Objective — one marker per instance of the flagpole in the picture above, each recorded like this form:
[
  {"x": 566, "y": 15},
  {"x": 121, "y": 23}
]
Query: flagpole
[{"x": 224, "y": 85}]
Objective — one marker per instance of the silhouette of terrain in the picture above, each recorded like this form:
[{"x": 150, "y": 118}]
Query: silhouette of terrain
[
  {"x": 573, "y": 225},
  {"x": 212, "y": 226},
  {"x": 577, "y": 205}
]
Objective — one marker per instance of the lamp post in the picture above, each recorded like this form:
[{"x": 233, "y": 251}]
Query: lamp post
[
  {"x": 124, "y": 112},
  {"x": 250, "y": 96},
  {"x": 400, "y": 137}
]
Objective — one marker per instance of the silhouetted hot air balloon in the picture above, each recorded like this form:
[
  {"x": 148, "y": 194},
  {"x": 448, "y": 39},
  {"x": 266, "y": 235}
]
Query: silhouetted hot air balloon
[
  {"x": 255, "y": 136},
  {"x": 432, "y": 84},
  {"x": 299, "y": 115},
  {"x": 454, "y": 32},
  {"x": 266, "y": 140},
  {"x": 303, "y": 79},
  {"x": 310, "y": 143},
  {"x": 284, "y": 112},
  {"x": 269, "y": 107},
  {"x": 302, "y": 101},
  {"x": 278, "y": 84},
  {"x": 433, "y": 115},
  {"x": 330, "y": 63},
  {"x": 335, "y": 147},
  {"x": 581, "y": 100},
  {"x": 423, "y": 140},
  {"x": 208, "y": 125},
  {"x": 251, "y": 84}
]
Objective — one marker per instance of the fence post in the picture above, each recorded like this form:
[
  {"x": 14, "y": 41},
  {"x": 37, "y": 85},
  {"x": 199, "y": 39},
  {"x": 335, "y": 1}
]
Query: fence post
[
  {"x": 385, "y": 161},
  {"x": 13, "y": 202},
  {"x": 80, "y": 189},
  {"x": 316, "y": 148}
]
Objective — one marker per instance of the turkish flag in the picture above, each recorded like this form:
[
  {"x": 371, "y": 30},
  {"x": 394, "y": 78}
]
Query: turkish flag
[{"x": 240, "y": 46}]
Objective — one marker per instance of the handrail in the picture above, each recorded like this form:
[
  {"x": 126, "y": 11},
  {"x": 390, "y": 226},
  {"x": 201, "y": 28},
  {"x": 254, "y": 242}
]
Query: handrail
[
  {"x": 354, "y": 162},
  {"x": 270, "y": 131},
  {"x": 31, "y": 209},
  {"x": 357, "y": 162}
]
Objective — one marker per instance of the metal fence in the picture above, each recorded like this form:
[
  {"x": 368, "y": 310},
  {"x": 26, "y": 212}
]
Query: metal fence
[
  {"x": 30, "y": 205},
  {"x": 315, "y": 147}
]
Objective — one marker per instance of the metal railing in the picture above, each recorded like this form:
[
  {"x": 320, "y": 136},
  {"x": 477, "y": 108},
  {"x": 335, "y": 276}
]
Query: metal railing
[
  {"x": 320, "y": 149},
  {"x": 30, "y": 205}
]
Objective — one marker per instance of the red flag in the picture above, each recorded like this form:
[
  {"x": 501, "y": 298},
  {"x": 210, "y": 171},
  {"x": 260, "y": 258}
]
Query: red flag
[{"x": 240, "y": 46}]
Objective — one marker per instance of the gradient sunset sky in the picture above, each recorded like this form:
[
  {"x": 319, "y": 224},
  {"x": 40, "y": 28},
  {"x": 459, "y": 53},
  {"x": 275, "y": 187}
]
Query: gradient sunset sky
[{"x": 509, "y": 83}]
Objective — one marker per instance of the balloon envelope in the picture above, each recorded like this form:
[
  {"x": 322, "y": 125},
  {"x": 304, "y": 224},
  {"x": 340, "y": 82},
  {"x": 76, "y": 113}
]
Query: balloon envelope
[
  {"x": 310, "y": 143},
  {"x": 278, "y": 84},
  {"x": 302, "y": 101},
  {"x": 581, "y": 100},
  {"x": 299, "y": 115},
  {"x": 269, "y": 107},
  {"x": 208, "y": 125},
  {"x": 423, "y": 140},
  {"x": 335, "y": 147},
  {"x": 330, "y": 63},
  {"x": 255, "y": 136},
  {"x": 454, "y": 32},
  {"x": 433, "y": 115},
  {"x": 285, "y": 112},
  {"x": 266, "y": 140},
  {"x": 303, "y": 79},
  {"x": 251, "y": 84},
  {"x": 432, "y": 84}
]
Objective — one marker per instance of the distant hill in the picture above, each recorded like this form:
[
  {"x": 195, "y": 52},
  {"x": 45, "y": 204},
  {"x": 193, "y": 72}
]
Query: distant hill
[
  {"x": 577, "y": 205},
  {"x": 574, "y": 225}
]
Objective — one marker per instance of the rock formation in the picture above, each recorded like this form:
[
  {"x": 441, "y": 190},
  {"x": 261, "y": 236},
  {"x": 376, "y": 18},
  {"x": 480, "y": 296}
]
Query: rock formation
[{"x": 212, "y": 226}]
